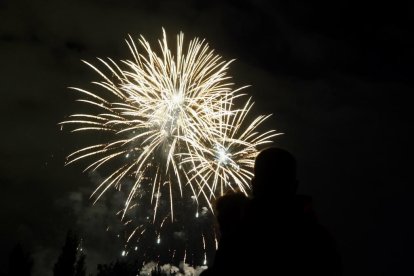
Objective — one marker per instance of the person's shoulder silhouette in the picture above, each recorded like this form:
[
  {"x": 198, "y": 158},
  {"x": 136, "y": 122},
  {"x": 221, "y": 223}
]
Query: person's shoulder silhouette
[{"x": 229, "y": 210}]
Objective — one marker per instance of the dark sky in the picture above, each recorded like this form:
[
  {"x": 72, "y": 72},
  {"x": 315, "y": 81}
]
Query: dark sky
[{"x": 337, "y": 76}]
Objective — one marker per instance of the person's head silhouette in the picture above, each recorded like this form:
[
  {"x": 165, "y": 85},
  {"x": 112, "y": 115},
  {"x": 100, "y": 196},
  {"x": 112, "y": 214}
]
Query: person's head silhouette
[
  {"x": 274, "y": 174},
  {"x": 229, "y": 210}
]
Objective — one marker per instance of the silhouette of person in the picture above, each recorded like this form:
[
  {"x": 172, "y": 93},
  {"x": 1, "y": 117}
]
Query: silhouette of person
[
  {"x": 284, "y": 232},
  {"x": 275, "y": 232}
]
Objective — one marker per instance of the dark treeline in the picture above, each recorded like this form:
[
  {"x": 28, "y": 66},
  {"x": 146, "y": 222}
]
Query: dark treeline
[
  {"x": 20, "y": 261},
  {"x": 72, "y": 262}
]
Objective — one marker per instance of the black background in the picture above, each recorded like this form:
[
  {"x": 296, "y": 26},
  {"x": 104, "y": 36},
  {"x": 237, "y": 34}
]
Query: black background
[{"x": 336, "y": 76}]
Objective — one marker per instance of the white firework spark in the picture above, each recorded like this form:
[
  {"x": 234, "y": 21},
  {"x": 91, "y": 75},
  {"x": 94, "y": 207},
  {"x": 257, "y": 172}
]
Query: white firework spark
[{"x": 173, "y": 124}]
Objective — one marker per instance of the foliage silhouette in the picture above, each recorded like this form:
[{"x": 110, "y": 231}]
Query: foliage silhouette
[
  {"x": 20, "y": 262},
  {"x": 68, "y": 263}
]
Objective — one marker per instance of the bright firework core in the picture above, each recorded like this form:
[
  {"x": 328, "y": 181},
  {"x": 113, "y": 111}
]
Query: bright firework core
[
  {"x": 222, "y": 155},
  {"x": 175, "y": 126}
]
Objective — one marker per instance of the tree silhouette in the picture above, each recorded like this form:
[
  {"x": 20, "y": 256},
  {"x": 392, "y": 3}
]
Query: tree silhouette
[
  {"x": 117, "y": 269},
  {"x": 20, "y": 262},
  {"x": 80, "y": 269},
  {"x": 65, "y": 265}
]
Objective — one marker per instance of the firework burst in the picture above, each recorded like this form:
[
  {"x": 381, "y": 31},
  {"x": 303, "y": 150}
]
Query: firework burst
[{"x": 174, "y": 128}]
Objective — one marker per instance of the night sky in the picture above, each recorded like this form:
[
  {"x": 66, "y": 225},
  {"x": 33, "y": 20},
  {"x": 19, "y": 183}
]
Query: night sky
[{"x": 336, "y": 76}]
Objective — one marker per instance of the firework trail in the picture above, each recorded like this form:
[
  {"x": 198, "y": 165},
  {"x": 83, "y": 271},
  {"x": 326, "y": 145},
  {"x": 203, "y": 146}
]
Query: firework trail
[{"x": 173, "y": 128}]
